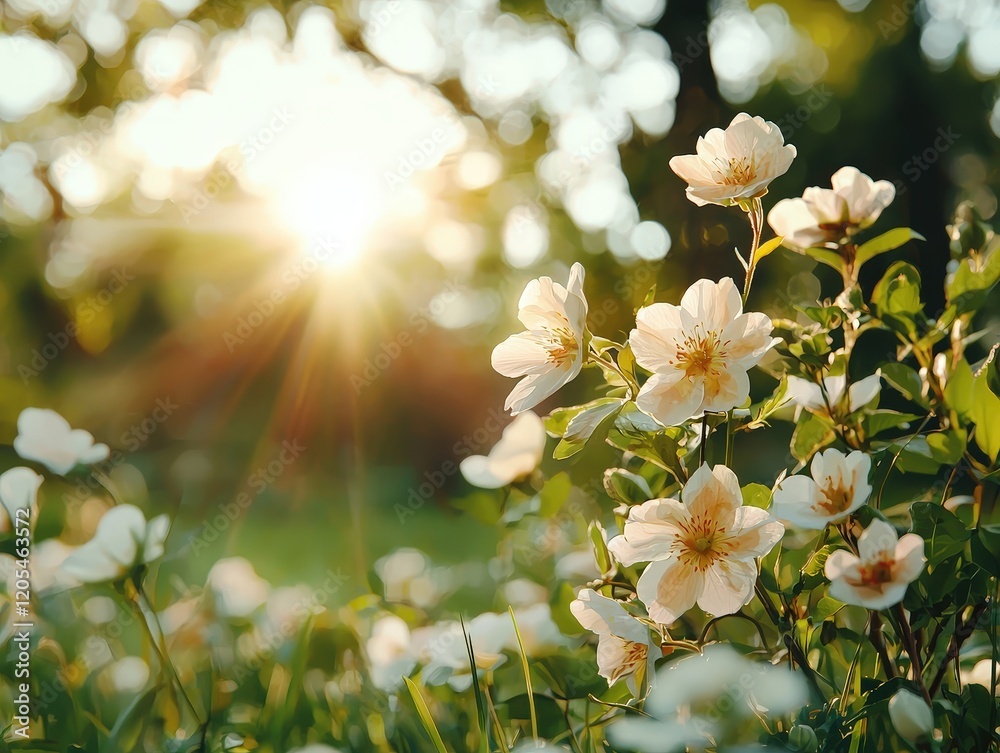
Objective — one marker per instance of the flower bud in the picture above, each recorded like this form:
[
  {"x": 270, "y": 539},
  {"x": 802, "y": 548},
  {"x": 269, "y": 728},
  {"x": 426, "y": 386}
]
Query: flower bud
[
  {"x": 803, "y": 738},
  {"x": 911, "y": 716}
]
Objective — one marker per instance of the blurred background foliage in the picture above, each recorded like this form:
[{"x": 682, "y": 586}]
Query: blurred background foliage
[{"x": 298, "y": 222}]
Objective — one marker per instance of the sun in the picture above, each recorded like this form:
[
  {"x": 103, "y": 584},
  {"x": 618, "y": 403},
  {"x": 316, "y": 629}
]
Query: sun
[{"x": 331, "y": 212}]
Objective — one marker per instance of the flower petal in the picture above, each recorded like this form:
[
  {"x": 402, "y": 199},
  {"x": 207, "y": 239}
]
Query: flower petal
[
  {"x": 669, "y": 589},
  {"x": 728, "y": 586}
]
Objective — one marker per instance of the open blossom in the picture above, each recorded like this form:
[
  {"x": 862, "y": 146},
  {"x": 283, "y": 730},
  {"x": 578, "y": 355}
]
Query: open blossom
[
  {"x": 825, "y": 215},
  {"x": 834, "y": 394},
  {"x": 552, "y": 351},
  {"x": 45, "y": 436},
  {"x": 123, "y": 540},
  {"x": 699, "y": 352},
  {"x": 877, "y": 578},
  {"x": 514, "y": 457},
  {"x": 837, "y": 487},
  {"x": 624, "y": 645},
  {"x": 702, "y": 549},
  {"x": 18, "y": 491},
  {"x": 735, "y": 164}
]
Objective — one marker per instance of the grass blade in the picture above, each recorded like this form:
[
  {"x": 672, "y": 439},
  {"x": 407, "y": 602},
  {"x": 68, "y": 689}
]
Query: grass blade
[
  {"x": 527, "y": 676},
  {"x": 425, "y": 716}
]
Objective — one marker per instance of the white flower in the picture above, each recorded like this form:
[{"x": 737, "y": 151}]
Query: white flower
[
  {"x": 825, "y": 215},
  {"x": 47, "y": 437},
  {"x": 552, "y": 351},
  {"x": 736, "y": 164},
  {"x": 122, "y": 541},
  {"x": 831, "y": 395},
  {"x": 701, "y": 550},
  {"x": 910, "y": 715},
  {"x": 538, "y": 630},
  {"x": 624, "y": 645},
  {"x": 698, "y": 699},
  {"x": 236, "y": 589},
  {"x": 699, "y": 352},
  {"x": 390, "y": 652},
  {"x": 18, "y": 491},
  {"x": 443, "y": 650},
  {"x": 514, "y": 457},
  {"x": 839, "y": 486},
  {"x": 879, "y": 577}
]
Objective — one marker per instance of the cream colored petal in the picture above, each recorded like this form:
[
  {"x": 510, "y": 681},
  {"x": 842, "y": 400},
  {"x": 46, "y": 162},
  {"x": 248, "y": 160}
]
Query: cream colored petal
[
  {"x": 864, "y": 391},
  {"x": 793, "y": 219},
  {"x": 794, "y": 500},
  {"x": 669, "y": 589},
  {"x": 909, "y": 558},
  {"x": 535, "y": 388},
  {"x": 714, "y": 494},
  {"x": 728, "y": 388},
  {"x": 714, "y": 304},
  {"x": 805, "y": 393},
  {"x": 728, "y": 586},
  {"x": 602, "y": 615},
  {"x": 520, "y": 355},
  {"x": 878, "y": 541},
  {"x": 654, "y": 340},
  {"x": 671, "y": 398},
  {"x": 827, "y": 206},
  {"x": 755, "y": 533},
  {"x": 650, "y": 532},
  {"x": 842, "y": 564}
]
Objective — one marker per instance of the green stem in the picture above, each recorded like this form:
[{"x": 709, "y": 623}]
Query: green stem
[{"x": 756, "y": 216}]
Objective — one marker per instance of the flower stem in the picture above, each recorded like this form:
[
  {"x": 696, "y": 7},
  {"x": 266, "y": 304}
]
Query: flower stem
[
  {"x": 756, "y": 216},
  {"x": 911, "y": 648},
  {"x": 878, "y": 641}
]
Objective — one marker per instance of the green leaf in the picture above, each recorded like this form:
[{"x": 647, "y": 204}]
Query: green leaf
[
  {"x": 626, "y": 487},
  {"x": 968, "y": 289},
  {"x": 602, "y": 344},
  {"x": 827, "y": 257},
  {"x": 958, "y": 391},
  {"x": 527, "y": 674},
  {"x": 947, "y": 447},
  {"x": 882, "y": 420},
  {"x": 812, "y": 433},
  {"x": 756, "y": 495},
  {"x": 906, "y": 381},
  {"x": 985, "y": 414},
  {"x": 631, "y": 420},
  {"x": 886, "y": 242},
  {"x": 130, "y": 723},
  {"x": 914, "y": 454},
  {"x": 766, "y": 248},
  {"x": 943, "y": 533},
  {"x": 814, "y": 565},
  {"x": 584, "y": 423},
  {"x": 897, "y": 299},
  {"x": 425, "y": 716},
  {"x": 554, "y": 494},
  {"x": 602, "y": 556}
]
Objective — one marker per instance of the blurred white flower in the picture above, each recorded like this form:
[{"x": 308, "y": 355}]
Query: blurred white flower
[
  {"x": 47, "y": 558},
  {"x": 825, "y": 215},
  {"x": 18, "y": 491},
  {"x": 735, "y": 164},
  {"x": 624, "y": 645},
  {"x": 552, "y": 351},
  {"x": 838, "y": 486},
  {"x": 879, "y": 577},
  {"x": 443, "y": 651},
  {"x": 126, "y": 676},
  {"x": 521, "y": 592},
  {"x": 390, "y": 653},
  {"x": 539, "y": 632},
  {"x": 831, "y": 396},
  {"x": 514, "y": 457},
  {"x": 45, "y": 436},
  {"x": 910, "y": 715},
  {"x": 407, "y": 576},
  {"x": 696, "y": 697},
  {"x": 699, "y": 352},
  {"x": 236, "y": 589},
  {"x": 122, "y": 541},
  {"x": 702, "y": 550},
  {"x": 982, "y": 674}
]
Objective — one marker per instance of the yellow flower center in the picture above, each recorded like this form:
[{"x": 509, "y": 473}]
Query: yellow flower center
[
  {"x": 739, "y": 172},
  {"x": 562, "y": 344},
  {"x": 701, "y": 353},
  {"x": 835, "y": 499},
  {"x": 877, "y": 573},
  {"x": 703, "y": 542}
]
